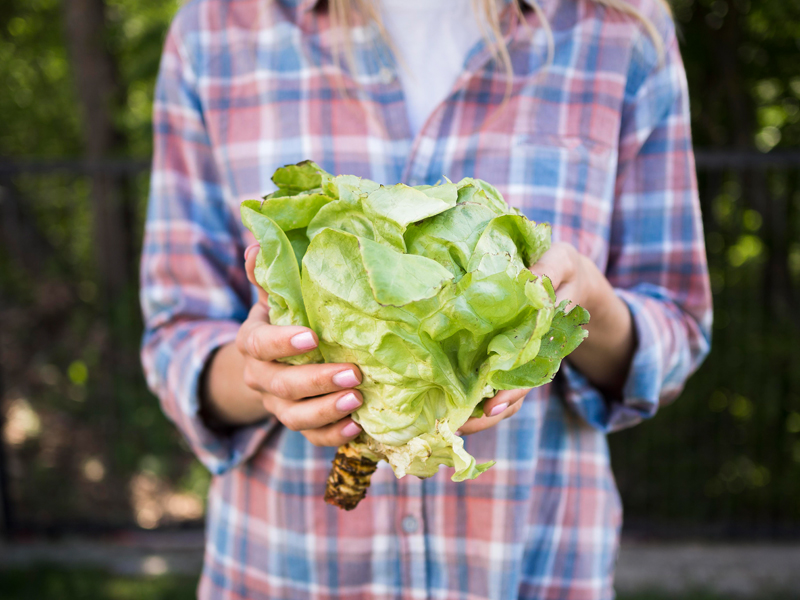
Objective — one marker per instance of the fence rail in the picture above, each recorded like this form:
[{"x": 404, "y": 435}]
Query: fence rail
[
  {"x": 722, "y": 461},
  {"x": 715, "y": 160},
  {"x": 122, "y": 166}
]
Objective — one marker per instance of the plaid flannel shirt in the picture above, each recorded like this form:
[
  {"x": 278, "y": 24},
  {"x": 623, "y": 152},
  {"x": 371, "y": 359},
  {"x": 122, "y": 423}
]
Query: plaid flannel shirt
[{"x": 594, "y": 140}]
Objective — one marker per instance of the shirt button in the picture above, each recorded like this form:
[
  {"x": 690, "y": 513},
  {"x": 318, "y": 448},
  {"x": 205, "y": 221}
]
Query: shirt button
[{"x": 410, "y": 524}]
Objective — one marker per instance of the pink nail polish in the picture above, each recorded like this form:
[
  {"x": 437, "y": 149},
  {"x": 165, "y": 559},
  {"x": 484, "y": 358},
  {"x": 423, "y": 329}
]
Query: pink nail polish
[
  {"x": 304, "y": 341},
  {"x": 498, "y": 409},
  {"x": 348, "y": 402},
  {"x": 249, "y": 248},
  {"x": 345, "y": 379},
  {"x": 351, "y": 429}
]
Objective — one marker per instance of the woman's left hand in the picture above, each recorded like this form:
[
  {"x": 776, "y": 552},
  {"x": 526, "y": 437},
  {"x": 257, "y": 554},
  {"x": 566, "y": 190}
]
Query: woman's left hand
[{"x": 605, "y": 355}]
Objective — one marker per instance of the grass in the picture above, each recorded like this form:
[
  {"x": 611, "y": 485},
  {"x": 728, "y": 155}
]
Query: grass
[{"x": 47, "y": 582}]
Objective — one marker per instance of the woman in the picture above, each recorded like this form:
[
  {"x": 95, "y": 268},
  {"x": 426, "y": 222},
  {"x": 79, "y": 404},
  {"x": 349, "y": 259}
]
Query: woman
[{"x": 578, "y": 113}]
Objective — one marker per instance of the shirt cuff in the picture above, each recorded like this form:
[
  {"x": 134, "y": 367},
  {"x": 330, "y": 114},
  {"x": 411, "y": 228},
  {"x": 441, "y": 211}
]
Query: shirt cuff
[
  {"x": 183, "y": 364},
  {"x": 645, "y": 384}
]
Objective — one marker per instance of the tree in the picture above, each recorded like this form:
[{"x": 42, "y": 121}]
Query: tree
[{"x": 97, "y": 83}]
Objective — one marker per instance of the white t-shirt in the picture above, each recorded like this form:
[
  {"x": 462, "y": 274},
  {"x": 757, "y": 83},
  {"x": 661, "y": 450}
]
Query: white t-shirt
[{"x": 432, "y": 39}]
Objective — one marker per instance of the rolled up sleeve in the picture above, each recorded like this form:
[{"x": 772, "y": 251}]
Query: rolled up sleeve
[
  {"x": 657, "y": 260},
  {"x": 194, "y": 291}
]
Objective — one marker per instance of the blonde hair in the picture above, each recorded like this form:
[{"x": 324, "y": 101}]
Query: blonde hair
[{"x": 345, "y": 14}]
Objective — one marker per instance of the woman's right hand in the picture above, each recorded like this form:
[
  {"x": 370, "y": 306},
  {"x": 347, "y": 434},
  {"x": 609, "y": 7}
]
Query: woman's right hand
[{"x": 314, "y": 399}]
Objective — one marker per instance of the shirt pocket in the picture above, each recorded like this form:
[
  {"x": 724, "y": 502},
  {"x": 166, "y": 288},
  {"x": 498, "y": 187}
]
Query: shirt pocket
[{"x": 567, "y": 182}]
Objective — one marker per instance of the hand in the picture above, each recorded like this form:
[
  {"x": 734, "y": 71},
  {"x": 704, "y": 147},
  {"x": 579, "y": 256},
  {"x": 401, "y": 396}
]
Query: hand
[
  {"x": 563, "y": 265},
  {"x": 605, "y": 355},
  {"x": 313, "y": 399},
  {"x": 574, "y": 276}
]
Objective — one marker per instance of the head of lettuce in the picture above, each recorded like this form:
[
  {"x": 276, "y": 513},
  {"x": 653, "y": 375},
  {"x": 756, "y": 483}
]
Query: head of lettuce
[{"x": 426, "y": 289}]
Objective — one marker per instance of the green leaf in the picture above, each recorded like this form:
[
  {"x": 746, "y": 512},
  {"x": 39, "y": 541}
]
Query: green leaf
[
  {"x": 515, "y": 236},
  {"x": 301, "y": 177},
  {"x": 278, "y": 272},
  {"x": 450, "y": 237},
  {"x": 347, "y": 216},
  {"x": 480, "y": 192},
  {"x": 290, "y": 212},
  {"x": 398, "y": 279},
  {"x": 565, "y": 334},
  {"x": 299, "y": 241},
  {"x": 404, "y": 205}
]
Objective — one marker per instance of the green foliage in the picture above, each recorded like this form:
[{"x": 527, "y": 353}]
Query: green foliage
[
  {"x": 741, "y": 60},
  {"x": 40, "y": 113}
]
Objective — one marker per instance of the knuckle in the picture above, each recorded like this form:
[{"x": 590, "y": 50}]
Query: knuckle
[
  {"x": 319, "y": 379},
  {"x": 281, "y": 388},
  {"x": 250, "y": 379},
  {"x": 254, "y": 345},
  {"x": 241, "y": 340},
  {"x": 290, "y": 421},
  {"x": 268, "y": 401}
]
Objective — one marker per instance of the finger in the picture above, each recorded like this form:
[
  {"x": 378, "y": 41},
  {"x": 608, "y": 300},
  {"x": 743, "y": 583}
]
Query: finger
[
  {"x": 568, "y": 291},
  {"x": 502, "y": 400},
  {"x": 306, "y": 381},
  {"x": 317, "y": 412},
  {"x": 259, "y": 312},
  {"x": 476, "y": 424},
  {"x": 556, "y": 264},
  {"x": 262, "y": 341},
  {"x": 250, "y": 256},
  {"x": 335, "y": 434}
]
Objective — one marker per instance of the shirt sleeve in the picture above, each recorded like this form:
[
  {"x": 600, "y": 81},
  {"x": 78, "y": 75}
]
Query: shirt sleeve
[
  {"x": 657, "y": 261},
  {"x": 194, "y": 291}
]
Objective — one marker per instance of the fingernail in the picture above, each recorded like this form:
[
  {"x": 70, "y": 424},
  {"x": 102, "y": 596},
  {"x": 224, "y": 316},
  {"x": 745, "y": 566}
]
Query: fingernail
[
  {"x": 304, "y": 341},
  {"x": 348, "y": 402},
  {"x": 459, "y": 432},
  {"x": 249, "y": 248},
  {"x": 351, "y": 429},
  {"x": 498, "y": 409},
  {"x": 345, "y": 379}
]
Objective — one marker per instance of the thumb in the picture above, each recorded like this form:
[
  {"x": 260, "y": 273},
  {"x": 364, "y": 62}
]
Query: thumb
[
  {"x": 250, "y": 256},
  {"x": 557, "y": 264}
]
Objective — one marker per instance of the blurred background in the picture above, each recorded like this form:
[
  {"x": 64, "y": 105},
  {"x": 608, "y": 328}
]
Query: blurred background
[{"x": 87, "y": 455}]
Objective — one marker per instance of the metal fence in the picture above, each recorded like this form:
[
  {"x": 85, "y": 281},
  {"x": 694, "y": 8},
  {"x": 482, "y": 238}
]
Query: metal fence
[
  {"x": 85, "y": 447},
  {"x": 724, "y": 460}
]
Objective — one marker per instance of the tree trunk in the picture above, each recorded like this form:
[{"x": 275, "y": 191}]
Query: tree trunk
[{"x": 98, "y": 90}]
